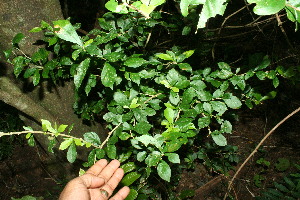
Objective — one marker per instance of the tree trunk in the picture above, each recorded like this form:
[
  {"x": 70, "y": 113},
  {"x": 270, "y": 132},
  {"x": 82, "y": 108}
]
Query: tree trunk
[{"x": 37, "y": 103}]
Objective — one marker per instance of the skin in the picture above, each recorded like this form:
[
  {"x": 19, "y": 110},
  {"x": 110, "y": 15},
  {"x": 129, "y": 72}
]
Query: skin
[{"x": 102, "y": 175}]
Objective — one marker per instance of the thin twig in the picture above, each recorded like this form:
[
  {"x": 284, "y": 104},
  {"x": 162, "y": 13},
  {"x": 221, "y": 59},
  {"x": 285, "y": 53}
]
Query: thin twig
[
  {"x": 152, "y": 97},
  {"x": 109, "y": 134},
  {"x": 47, "y": 133},
  {"x": 289, "y": 5},
  {"x": 283, "y": 31},
  {"x": 257, "y": 147}
]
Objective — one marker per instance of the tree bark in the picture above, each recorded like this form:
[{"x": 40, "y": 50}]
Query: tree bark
[{"x": 54, "y": 104}]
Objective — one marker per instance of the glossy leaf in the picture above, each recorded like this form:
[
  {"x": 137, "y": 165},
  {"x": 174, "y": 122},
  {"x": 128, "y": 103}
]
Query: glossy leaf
[
  {"x": 142, "y": 127},
  {"x": 164, "y": 171},
  {"x": 18, "y": 37},
  {"x": 219, "y": 139},
  {"x": 203, "y": 122},
  {"x": 267, "y": 7},
  {"x": 92, "y": 137},
  {"x": 66, "y": 143},
  {"x": 67, "y": 32},
  {"x": 211, "y": 8},
  {"x": 108, "y": 75},
  {"x": 81, "y": 72},
  {"x": 72, "y": 153},
  {"x": 173, "y": 157},
  {"x": 130, "y": 178},
  {"x": 128, "y": 167},
  {"x": 233, "y": 102},
  {"x": 169, "y": 114},
  {"x": 111, "y": 151},
  {"x": 132, "y": 195},
  {"x": 135, "y": 62}
]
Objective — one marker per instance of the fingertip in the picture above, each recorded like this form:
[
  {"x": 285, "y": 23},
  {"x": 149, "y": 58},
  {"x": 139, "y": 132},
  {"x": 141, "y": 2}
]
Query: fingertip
[
  {"x": 102, "y": 162},
  {"x": 115, "y": 163}
]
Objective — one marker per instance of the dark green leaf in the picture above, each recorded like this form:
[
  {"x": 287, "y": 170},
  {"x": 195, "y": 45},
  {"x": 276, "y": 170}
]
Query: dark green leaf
[
  {"x": 120, "y": 98},
  {"x": 92, "y": 137},
  {"x": 142, "y": 127},
  {"x": 108, "y": 75},
  {"x": 111, "y": 151},
  {"x": 81, "y": 72},
  {"x": 153, "y": 158},
  {"x": 226, "y": 127},
  {"x": 36, "y": 78},
  {"x": 128, "y": 167},
  {"x": 130, "y": 178},
  {"x": 135, "y": 62},
  {"x": 172, "y": 146},
  {"x": 173, "y": 157},
  {"x": 100, "y": 153},
  {"x": 17, "y": 38},
  {"x": 19, "y": 63},
  {"x": 203, "y": 122},
  {"x": 132, "y": 195}
]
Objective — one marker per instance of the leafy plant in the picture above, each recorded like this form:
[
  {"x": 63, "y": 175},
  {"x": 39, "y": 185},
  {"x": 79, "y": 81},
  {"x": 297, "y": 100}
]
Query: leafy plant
[
  {"x": 288, "y": 188},
  {"x": 155, "y": 102}
]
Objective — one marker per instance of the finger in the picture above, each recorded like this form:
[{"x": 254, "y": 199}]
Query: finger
[
  {"x": 121, "y": 194},
  {"x": 113, "y": 182},
  {"x": 97, "y": 167},
  {"x": 91, "y": 181},
  {"x": 109, "y": 170}
]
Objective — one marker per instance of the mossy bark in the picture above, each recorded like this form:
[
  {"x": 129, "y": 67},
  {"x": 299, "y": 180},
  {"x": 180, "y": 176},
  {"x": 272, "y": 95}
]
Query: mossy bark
[{"x": 42, "y": 102}]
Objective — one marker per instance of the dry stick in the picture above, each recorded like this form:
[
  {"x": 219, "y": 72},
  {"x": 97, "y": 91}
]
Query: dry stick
[
  {"x": 257, "y": 147},
  {"x": 283, "y": 31},
  {"x": 213, "y": 49}
]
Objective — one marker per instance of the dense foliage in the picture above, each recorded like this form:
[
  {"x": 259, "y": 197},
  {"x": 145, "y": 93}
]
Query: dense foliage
[{"x": 159, "y": 105}]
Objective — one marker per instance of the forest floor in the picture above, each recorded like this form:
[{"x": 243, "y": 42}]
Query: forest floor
[{"x": 24, "y": 173}]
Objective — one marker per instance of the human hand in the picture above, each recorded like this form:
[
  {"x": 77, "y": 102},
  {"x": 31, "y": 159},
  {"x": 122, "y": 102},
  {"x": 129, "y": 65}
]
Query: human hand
[{"x": 98, "y": 183}]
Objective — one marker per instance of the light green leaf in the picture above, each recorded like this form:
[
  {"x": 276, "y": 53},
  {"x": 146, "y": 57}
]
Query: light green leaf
[
  {"x": 128, "y": 167},
  {"x": 233, "y": 102},
  {"x": 275, "y": 82},
  {"x": 141, "y": 156},
  {"x": 120, "y": 98},
  {"x": 189, "y": 53},
  {"x": 219, "y": 106},
  {"x": 92, "y": 137},
  {"x": 184, "y": 5},
  {"x": 226, "y": 127},
  {"x": 65, "y": 144},
  {"x": 108, "y": 75},
  {"x": 67, "y": 32},
  {"x": 80, "y": 72},
  {"x": 267, "y": 7},
  {"x": 211, "y": 8},
  {"x": 185, "y": 66},
  {"x": 46, "y": 126},
  {"x": 130, "y": 178},
  {"x": 164, "y": 171},
  {"x": 164, "y": 56},
  {"x": 173, "y": 157},
  {"x": 62, "y": 128},
  {"x": 219, "y": 139},
  {"x": 135, "y": 62},
  {"x": 169, "y": 114},
  {"x": 72, "y": 153},
  {"x": 36, "y": 78},
  {"x": 36, "y": 29}
]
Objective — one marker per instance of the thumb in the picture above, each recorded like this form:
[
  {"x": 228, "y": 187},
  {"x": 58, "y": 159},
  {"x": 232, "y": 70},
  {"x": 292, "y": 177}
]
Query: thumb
[{"x": 92, "y": 181}]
